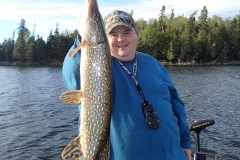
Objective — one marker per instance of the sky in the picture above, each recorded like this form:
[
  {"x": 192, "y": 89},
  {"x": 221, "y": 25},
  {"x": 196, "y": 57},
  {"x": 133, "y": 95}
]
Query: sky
[{"x": 45, "y": 14}]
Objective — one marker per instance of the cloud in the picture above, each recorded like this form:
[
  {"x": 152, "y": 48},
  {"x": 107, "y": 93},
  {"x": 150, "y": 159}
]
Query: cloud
[
  {"x": 44, "y": 14},
  {"x": 151, "y": 8}
]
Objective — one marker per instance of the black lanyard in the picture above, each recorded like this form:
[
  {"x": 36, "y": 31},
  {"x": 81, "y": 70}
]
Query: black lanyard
[
  {"x": 148, "y": 109},
  {"x": 133, "y": 75}
]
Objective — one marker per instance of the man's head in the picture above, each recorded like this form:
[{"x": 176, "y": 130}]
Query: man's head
[
  {"x": 122, "y": 35},
  {"x": 117, "y": 18}
]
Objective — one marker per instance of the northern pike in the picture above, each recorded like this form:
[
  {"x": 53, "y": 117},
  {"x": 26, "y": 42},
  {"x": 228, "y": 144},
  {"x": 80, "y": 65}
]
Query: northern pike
[{"x": 96, "y": 89}]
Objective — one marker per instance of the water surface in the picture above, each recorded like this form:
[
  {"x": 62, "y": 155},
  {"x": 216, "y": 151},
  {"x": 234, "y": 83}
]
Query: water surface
[
  {"x": 212, "y": 92},
  {"x": 35, "y": 124}
]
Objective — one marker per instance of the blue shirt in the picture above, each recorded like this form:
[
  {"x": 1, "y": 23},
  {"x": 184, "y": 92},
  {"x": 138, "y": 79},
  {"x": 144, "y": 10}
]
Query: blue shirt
[{"x": 131, "y": 137}]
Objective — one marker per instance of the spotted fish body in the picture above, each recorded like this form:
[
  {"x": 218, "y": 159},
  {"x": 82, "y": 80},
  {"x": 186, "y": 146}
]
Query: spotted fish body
[{"x": 96, "y": 84}]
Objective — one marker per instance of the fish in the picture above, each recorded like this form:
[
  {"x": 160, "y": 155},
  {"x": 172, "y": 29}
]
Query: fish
[{"x": 95, "y": 95}]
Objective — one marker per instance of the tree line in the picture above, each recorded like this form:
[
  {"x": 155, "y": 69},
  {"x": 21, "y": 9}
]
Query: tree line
[
  {"x": 180, "y": 39},
  {"x": 171, "y": 38},
  {"x": 30, "y": 49}
]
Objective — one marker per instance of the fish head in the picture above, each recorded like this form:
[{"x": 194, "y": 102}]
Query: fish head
[{"x": 91, "y": 24}]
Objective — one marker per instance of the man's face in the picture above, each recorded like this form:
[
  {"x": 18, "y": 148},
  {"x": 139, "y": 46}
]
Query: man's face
[{"x": 123, "y": 43}]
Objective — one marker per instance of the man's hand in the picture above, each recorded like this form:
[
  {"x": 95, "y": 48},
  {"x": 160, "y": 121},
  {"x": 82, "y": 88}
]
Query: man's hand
[{"x": 188, "y": 153}]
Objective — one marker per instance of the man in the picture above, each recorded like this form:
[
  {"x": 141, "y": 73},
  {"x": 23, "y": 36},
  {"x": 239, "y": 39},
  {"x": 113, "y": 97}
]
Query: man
[{"x": 142, "y": 92}]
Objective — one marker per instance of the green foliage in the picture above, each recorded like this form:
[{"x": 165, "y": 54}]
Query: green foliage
[
  {"x": 147, "y": 39},
  {"x": 169, "y": 37},
  {"x": 189, "y": 43},
  {"x": 1, "y": 53},
  {"x": 181, "y": 39},
  {"x": 20, "y": 49},
  {"x": 6, "y": 50},
  {"x": 140, "y": 24},
  {"x": 41, "y": 53},
  {"x": 30, "y": 49}
]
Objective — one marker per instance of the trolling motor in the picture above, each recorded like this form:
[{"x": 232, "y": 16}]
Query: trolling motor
[{"x": 197, "y": 127}]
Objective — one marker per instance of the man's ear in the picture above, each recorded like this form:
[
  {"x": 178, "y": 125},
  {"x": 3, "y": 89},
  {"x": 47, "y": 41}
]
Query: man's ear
[{"x": 137, "y": 32}]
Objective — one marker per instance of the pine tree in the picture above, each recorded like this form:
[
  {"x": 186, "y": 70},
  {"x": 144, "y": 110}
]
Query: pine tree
[
  {"x": 162, "y": 20},
  {"x": 55, "y": 42},
  {"x": 234, "y": 41},
  {"x": 40, "y": 49},
  {"x": 2, "y": 55},
  {"x": 7, "y": 48},
  {"x": 131, "y": 13},
  {"x": 202, "y": 19},
  {"x": 19, "y": 51},
  {"x": 140, "y": 24},
  {"x": 204, "y": 45},
  {"x": 49, "y": 45},
  {"x": 188, "y": 53},
  {"x": 31, "y": 51}
]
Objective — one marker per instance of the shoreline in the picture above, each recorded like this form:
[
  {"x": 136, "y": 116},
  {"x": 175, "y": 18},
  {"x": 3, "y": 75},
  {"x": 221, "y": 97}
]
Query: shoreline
[
  {"x": 165, "y": 63},
  {"x": 214, "y": 63},
  {"x": 17, "y": 63}
]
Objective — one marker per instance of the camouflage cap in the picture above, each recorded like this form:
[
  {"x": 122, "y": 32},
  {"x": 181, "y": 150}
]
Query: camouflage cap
[{"x": 117, "y": 18}]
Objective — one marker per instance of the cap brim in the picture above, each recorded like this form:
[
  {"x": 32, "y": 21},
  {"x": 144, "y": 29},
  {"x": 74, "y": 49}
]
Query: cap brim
[{"x": 117, "y": 24}]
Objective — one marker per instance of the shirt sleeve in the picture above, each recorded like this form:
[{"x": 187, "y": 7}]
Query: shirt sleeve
[
  {"x": 71, "y": 68},
  {"x": 178, "y": 108}
]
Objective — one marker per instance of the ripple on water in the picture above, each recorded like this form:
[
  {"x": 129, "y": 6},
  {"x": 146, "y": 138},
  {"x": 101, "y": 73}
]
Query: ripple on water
[
  {"x": 212, "y": 93},
  {"x": 35, "y": 124}
]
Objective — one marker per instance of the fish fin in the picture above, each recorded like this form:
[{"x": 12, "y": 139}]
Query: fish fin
[
  {"x": 73, "y": 150},
  {"x": 72, "y": 97},
  {"x": 72, "y": 52}
]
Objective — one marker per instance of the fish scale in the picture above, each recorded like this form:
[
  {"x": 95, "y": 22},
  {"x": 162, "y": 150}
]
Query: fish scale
[{"x": 96, "y": 90}]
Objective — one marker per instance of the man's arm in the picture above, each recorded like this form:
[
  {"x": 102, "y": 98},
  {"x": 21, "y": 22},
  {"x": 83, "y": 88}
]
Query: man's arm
[
  {"x": 71, "y": 68},
  {"x": 178, "y": 108}
]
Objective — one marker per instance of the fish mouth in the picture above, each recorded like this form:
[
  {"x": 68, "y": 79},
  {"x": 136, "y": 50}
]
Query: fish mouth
[{"x": 92, "y": 8}]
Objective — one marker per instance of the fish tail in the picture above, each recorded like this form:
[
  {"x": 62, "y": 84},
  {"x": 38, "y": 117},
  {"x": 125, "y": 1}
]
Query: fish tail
[{"x": 73, "y": 150}]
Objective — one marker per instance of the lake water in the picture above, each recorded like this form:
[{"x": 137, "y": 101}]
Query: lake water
[{"x": 35, "y": 124}]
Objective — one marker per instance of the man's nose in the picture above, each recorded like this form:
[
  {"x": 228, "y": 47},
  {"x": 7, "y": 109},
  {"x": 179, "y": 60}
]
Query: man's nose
[{"x": 120, "y": 38}]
